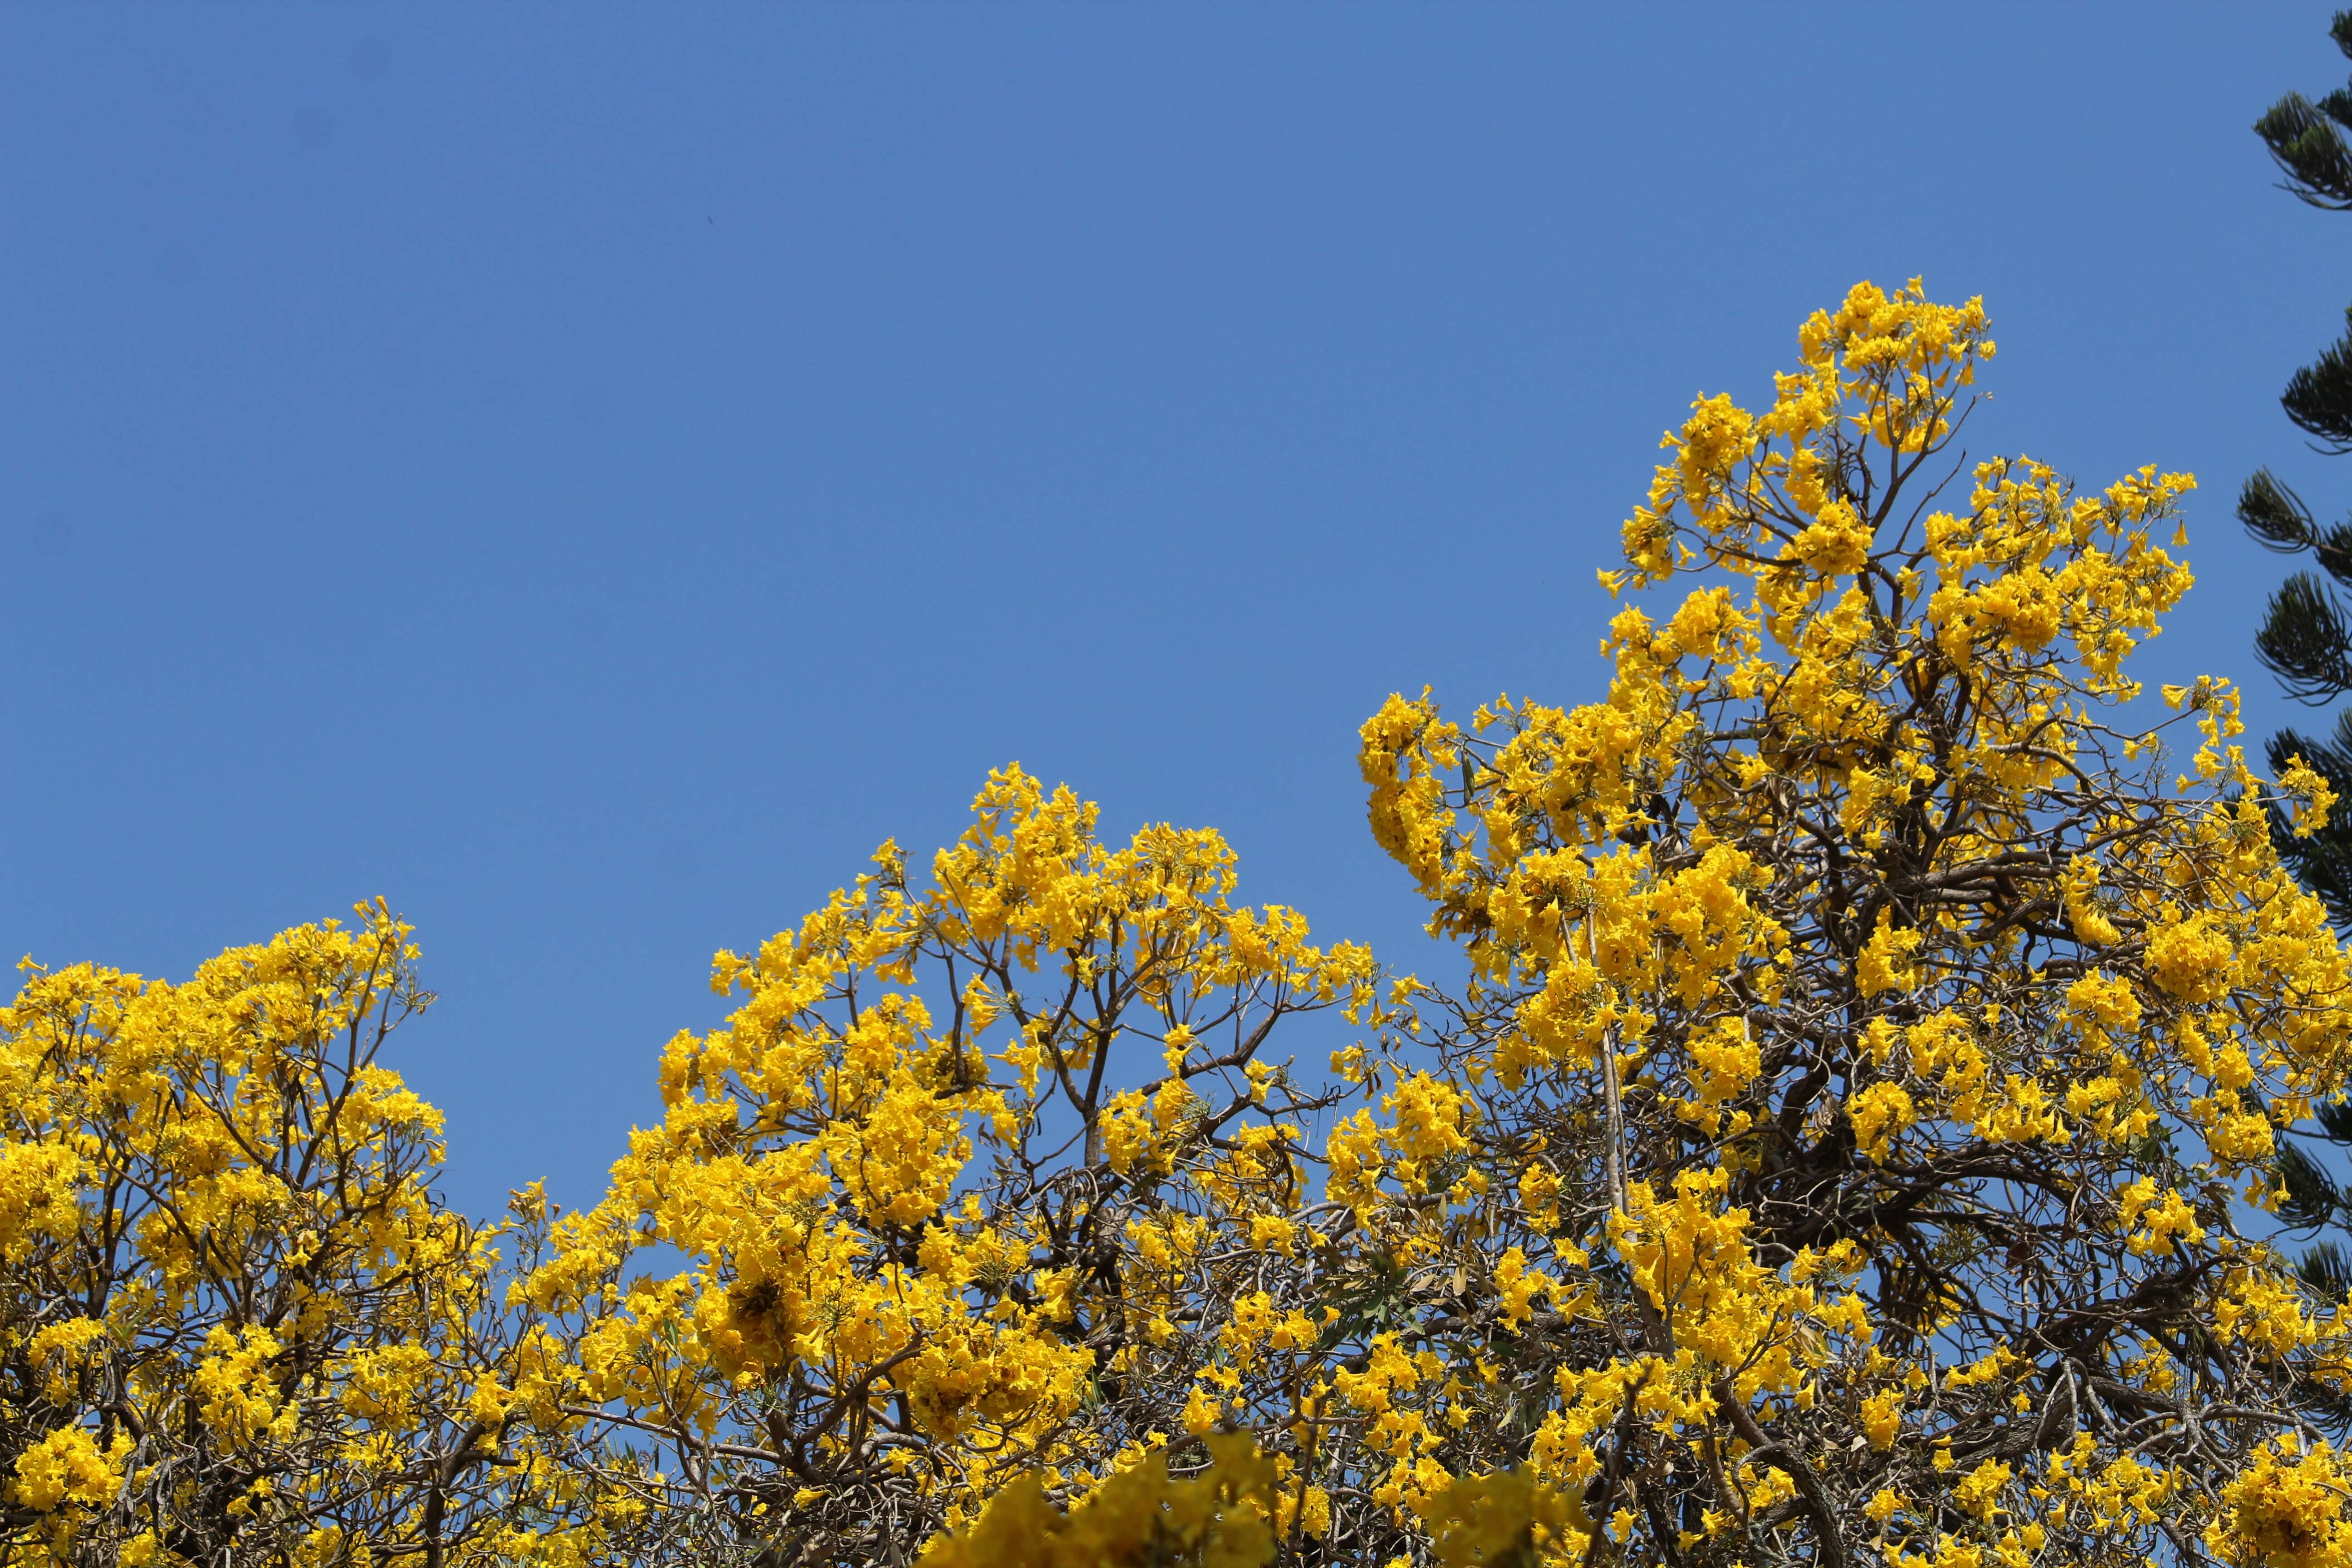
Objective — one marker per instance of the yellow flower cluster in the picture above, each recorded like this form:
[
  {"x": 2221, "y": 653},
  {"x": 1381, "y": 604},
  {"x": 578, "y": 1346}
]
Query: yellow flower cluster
[
  {"x": 2287, "y": 1509},
  {"x": 1858, "y": 999},
  {"x": 1139, "y": 1518},
  {"x": 68, "y": 1467},
  {"x": 239, "y": 1312},
  {"x": 974, "y": 1156}
]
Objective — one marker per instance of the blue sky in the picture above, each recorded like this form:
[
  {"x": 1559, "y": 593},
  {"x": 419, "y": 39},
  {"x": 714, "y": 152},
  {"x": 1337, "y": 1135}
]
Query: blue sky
[{"x": 589, "y": 475}]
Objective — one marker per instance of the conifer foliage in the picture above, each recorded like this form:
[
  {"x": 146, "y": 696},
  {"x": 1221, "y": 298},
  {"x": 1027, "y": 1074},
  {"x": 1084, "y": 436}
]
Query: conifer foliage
[{"x": 2305, "y": 637}]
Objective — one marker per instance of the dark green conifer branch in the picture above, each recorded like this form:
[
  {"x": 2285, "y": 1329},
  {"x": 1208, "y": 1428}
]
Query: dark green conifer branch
[
  {"x": 2305, "y": 642},
  {"x": 2274, "y": 514},
  {"x": 2307, "y": 139},
  {"x": 2306, "y": 639},
  {"x": 2319, "y": 397}
]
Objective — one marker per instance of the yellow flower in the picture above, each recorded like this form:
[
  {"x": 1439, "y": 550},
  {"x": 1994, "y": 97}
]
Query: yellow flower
[{"x": 67, "y": 1467}]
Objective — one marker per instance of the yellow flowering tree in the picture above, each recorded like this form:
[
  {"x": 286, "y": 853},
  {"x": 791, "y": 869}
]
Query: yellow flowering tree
[
  {"x": 993, "y": 1173},
  {"x": 236, "y": 1323},
  {"x": 1857, "y": 1135},
  {"x": 1878, "y": 1035}
]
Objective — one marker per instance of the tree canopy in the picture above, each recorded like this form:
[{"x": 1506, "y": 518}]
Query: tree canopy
[
  {"x": 1857, "y": 1134},
  {"x": 2305, "y": 640}
]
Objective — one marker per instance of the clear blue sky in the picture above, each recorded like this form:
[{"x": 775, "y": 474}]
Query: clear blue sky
[{"x": 588, "y": 475}]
